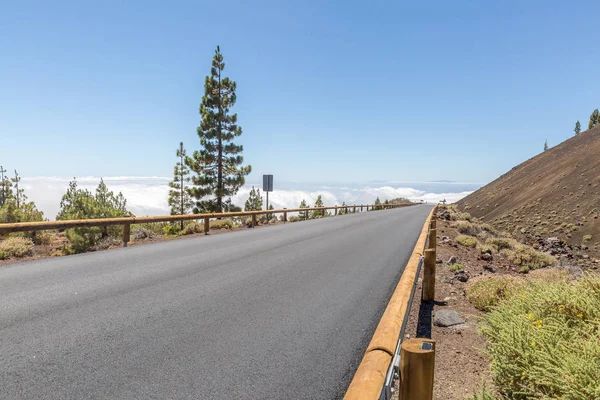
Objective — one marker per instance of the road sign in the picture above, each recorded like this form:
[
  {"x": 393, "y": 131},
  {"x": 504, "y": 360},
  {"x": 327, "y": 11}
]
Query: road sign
[{"x": 267, "y": 183}]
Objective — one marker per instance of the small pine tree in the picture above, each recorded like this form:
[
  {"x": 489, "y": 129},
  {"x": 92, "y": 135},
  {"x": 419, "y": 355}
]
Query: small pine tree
[
  {"x": 546, "y": 145},
  {"x": 377, "y": 203},
  {"x": 577, "y": 128},
  {"x": 218, "y": 166},
  {"x": 303, "y": 215},
  {"x": 318, "y": 203},
  {"x": 19, "y": 194},
  {"x": 254, "y": 202},
  {"x": 180, "y": 199},
  {"x": 594, "y": 119},
  {"x": 4, "y": 187}
]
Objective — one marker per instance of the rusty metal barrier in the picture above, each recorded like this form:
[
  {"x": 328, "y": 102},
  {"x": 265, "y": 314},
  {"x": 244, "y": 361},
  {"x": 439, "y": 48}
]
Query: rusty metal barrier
[
  {"x": 128, "y": 221},
  {"x": 380, "y": 366}
]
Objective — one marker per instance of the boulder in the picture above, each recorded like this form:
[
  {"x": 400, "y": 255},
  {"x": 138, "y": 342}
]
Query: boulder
[{"x": 445, "y": 318}]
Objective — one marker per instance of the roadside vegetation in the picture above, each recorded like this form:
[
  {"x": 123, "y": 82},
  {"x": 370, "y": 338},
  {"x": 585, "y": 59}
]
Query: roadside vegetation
[{"x": 541, "y": 321}]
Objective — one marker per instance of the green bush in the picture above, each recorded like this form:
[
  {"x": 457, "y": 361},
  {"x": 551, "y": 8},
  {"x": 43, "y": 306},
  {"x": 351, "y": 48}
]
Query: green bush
[
  {"x": 456, "y": 267},
  {"x": 294, "y": 218},
  {"x": 483, "y": 394},
  {"x": 587, "y": 238},
  {"x": 467, "y": 228},
  {"x": 221, "y": 224},
  {"x": 16, "y": 247},
  {"x": 524, "y": 255},
  {"x": 488, "y": 292},
  {"x": 543, "y": 340},
  {"x": 502, "y": 243},
  {"x": 467, "y": 241},
  {"x": 171, "y": 229}
]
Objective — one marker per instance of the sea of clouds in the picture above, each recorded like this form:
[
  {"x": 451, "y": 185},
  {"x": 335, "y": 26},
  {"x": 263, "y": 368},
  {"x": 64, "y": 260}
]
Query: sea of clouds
[{"x": 148, "y": 195}]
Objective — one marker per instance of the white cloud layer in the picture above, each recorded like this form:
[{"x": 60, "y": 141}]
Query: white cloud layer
[{"x": 148, "y": 195}]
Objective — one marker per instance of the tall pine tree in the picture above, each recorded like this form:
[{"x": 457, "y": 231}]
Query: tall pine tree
[
  {"x": 19, "y": 193},
  {"x": 180, "y": 199},
  {"x": 546, "y": 145},
  {"x": 218, "y": 165},
  {"x": 577, "y": 128}
]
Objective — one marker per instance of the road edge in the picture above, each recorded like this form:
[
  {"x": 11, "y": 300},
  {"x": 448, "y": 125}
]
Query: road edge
[{"x": 370, "y": 375}]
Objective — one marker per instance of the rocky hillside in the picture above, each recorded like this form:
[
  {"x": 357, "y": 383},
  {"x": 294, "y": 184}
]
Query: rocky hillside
[{"x": 554, "y": 194}]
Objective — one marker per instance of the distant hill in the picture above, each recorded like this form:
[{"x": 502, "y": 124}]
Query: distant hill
[{"x": 556, "y": 193}]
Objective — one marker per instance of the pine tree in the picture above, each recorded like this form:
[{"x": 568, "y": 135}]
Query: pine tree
[
  {"x": 546, "y": 145},
  {"x": 219, "y": 164},
  {"x": 318, "y": 203},
  {"x": 377, "y": 203},
  {"x": 5, "y": 187},
  {"x": 594, "y": 119},
  {"x": 577, "y": 128},
  {"x": 180, "y": 199},
  {"x": 254, "y": 202},
  {"x": 19, "y": 194},
  {"x": 303, "y": 215}
]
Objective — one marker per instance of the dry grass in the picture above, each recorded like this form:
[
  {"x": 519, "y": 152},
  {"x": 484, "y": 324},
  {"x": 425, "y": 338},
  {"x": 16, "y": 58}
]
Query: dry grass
[
  {"x": 487, "y": 292},
  {"x": 15, "y": 247}
]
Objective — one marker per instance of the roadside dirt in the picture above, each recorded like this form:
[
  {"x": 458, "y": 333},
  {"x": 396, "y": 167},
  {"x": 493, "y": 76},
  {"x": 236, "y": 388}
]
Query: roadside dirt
[{"x": 460, "y": 365}]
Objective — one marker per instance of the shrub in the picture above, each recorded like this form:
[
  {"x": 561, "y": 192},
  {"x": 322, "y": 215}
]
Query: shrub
[
  {"x": 489, "y": 229},
  {"x": 465, "y": 215},
  {"x": 294, "y": 218},
  {"x": 467, "y": 241},
  {"x": 502, "y": 243},
  {"x": 488, "y": 292},
  {"x": 524, "y": 269},
  {"x": 456, "y": 267},
  {"x": 221, "y": 224},
  {"x": 192, "y": 227},
  {"x": 107, "y": 243},
  {"x": 171, "y": 230},
  {"x": 467, "y": 228},
  {"x": 15, "y": 247},
  {"x": 543, "y": 341},
  {"x": 141, "y": 233},
  {"x": 483, "y": 394},
  {"x": 587, "y": 238},
  {"x": 527, "y": 256}
]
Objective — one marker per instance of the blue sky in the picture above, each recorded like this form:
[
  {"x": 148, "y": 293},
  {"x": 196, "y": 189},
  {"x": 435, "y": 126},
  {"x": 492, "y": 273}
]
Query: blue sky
[{"x": 344, "y": 91}]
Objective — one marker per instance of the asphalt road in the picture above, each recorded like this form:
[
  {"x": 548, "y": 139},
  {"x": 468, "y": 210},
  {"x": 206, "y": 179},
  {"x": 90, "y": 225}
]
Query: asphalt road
[{"x": 282, "y": 312}]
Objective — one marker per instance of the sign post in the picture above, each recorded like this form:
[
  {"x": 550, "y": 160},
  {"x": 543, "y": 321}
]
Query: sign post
[{"x": 268, "y": 187}]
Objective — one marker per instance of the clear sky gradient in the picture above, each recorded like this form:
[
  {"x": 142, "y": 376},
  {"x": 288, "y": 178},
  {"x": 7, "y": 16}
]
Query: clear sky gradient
[{"x": 327, "y": 91}]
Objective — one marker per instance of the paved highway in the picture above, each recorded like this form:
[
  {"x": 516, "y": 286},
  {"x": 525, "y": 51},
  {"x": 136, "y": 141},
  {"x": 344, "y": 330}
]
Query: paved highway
[{"x": 282, "y": 312}]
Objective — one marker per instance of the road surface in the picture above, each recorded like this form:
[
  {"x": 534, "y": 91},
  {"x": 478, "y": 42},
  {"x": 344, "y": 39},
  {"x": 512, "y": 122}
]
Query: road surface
[{"x": 282, "y": 312}]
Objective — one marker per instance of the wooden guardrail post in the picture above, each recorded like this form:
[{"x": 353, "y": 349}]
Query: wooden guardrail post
[
  {"x": 323, "y": 212},
  {"x": 354, "y": 212},
  {"x": 206, "y": 225},
  {"x": 417, "y": 362},
  {"x": 361, "y": 208},
  {"x": 285, "y": 215},
  {"x": 432, "y": 239},
  {"x": 429, "y": 275},
  {"x": 253, "y": 220},
  {"x": 126, "y": 234}
]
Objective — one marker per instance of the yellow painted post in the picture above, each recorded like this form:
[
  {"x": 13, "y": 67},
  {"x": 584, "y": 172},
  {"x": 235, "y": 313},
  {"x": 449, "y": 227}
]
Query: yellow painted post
[
  {"x": 126, "y": 234},
  {"x": 417, "y": 362},
  {"x": 206, "y": 225},
  {"x": 285, "y": 215},
  {"x": 253, "y": 220},
  {"x": 429, "y": 276}
]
